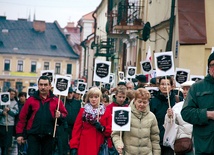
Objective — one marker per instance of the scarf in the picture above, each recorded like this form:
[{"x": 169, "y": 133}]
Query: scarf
[{"x": 90, "y": 114}]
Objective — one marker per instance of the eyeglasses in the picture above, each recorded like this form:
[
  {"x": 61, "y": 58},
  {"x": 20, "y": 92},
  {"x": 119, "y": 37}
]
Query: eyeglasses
[
  {"x": 165, "y": 84},
  {"x": 211, "y": 65}
]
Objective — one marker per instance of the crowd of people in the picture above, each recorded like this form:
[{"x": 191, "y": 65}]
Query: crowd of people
[{"x": 44, "y": 124}]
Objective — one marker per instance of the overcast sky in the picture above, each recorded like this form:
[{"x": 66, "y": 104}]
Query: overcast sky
[{"x": 48, "y": 10}]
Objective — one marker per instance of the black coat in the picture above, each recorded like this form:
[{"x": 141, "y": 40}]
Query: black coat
[{"x": 159, "y": 106}]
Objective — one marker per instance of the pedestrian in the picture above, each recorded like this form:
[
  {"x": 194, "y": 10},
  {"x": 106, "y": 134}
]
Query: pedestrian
[
  {"x": 198, "y": 110},
  {"x": 92, "y": 125},
  {"x": 38, "y": 116},
  {"x": 105, "y": 100},
  {"x": 119, "y": 100},
  {"x": 141, "y": 81},
  {"x": 184, "y": 129},
  {"x": 130, "y": 85},
  {"x": 143, "y": 137},
  {"x": 22, "y": 148},
  {"x": 7, "y": 123},
  {"x": 159, "y": 105},
  {"x": 73, "y": 107}
]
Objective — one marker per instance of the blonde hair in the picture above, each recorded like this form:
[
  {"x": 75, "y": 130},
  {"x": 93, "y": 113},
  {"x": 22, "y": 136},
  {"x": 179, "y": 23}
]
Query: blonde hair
[
  {"x": 142, "y": 93},
  {"x": 93, "y": 91}
]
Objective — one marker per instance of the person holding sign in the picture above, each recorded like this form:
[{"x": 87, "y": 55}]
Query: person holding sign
[
  {"x": 7, "y": 121},
  {"x": 184, "y": 129},
  {"x": 92, "y": 125},
  {"x": 38, "y": 117},
  {"x": 198, "y": 110},
  {"x": 143, "y": 137},
  {"x": 159, "y": 105},
  {"x": 119, "y": 100}
]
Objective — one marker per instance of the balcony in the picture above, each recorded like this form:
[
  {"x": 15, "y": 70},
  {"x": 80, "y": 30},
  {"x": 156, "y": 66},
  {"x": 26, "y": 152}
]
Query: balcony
[{"x": 125, "y": 16}]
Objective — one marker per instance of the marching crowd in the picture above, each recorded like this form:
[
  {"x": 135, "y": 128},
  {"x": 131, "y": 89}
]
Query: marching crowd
[{"x": 44, "y": 124}]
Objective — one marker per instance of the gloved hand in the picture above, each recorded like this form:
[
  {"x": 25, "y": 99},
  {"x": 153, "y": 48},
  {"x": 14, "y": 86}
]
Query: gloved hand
[
  {"x": 99, "y": 127},
  {"x": 73, "y": 152}
]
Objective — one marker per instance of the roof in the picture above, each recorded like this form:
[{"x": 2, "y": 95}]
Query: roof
[
  {"x": 22, "y": 37},
  {"x": 88, "y": 16}
]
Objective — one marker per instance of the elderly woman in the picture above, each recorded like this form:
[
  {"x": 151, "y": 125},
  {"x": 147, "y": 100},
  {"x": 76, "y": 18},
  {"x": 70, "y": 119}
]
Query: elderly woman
[
  {"x": 159, "y": 105},
  {"x": 92, "y": 125},
  {"x": 143, "y": 137},
  {"x": 184, "y": 128}
]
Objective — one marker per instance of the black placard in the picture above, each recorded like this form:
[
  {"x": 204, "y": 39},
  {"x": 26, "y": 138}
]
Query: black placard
[
  {"x": 102, "y": 70},
  {"x": 97, "y": 83},
  {"x": 61, "y": 84},
  {"x": 164, "y": 62},
  {"x": 31, "y": 91},
  {"x": 196, "y": 79},
  {"x": 81, "y": 87},
  {"x": 5, "y": 98},
  {"x": 48, "y": 74},
  {"x": 121, "y": 76},
  {"x": 131, "y": 71},
  {"x": 146, "y": 66},
  {"x": 110, "y": 78},
  {"x": 107, "y": 86},
  {"x": 121, "y": 117},
  {"x": 181, "y": 76}
]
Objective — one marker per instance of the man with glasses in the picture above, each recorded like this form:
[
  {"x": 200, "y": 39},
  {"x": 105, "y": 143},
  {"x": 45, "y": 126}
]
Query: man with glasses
[
  {"x": 198, "y": 109},
  {"x": 38, "y": 117}
]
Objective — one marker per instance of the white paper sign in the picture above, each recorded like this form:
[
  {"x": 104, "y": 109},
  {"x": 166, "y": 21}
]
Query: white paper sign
[
  {"x": 146, "y": 67},
  {"x": 164, "y": 63},
  {"x": 112, "y": 79},
  {"x": 5, "y": 98},
  {"x": 121, "y": 76},
  {"x": 61, "y": 85},
  {"x": 196, "y": 77},
  {"x": 102, "y": 71},
  {"x": 212, "y": 50},
  {"x": 50, "y": 74},
  {"x": 81, "y": 87},
  {"x": 31, "y": 90},
  {"x": 181, "y": 76},
  {"x": 121, "y": 119},
  {"x": 131, "y": 72}
]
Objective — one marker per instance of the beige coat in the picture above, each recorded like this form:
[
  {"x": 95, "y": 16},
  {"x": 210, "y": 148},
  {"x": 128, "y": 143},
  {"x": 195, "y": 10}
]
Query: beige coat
[{"x": 143, "y": 138}]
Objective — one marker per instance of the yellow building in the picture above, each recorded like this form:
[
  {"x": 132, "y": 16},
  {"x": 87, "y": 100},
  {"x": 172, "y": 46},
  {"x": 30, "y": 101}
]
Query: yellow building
[{"x": 27, "y": 48}]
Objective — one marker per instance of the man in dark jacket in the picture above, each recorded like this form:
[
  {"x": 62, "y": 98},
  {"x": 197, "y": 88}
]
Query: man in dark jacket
[
  {"x": 198, "y": 109},
  {"x": 38, "y": 116},
  {"x": 72, "y": 106}
]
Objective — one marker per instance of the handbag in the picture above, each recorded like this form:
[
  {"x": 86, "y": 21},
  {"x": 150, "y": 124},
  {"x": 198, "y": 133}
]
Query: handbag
[
  {"x": 104, "y": 148},
  {"x": 183, "y": 145},
  {"x": 170, "y": 134}
]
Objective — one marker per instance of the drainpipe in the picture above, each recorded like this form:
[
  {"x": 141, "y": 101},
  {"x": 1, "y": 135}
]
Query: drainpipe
[
  {"x": 95, "y": 25},
  {"x": 172, "y": 17}
]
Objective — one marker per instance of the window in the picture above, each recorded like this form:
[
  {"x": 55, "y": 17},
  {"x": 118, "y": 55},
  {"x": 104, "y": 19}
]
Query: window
[
  {"x": 33, "y": 66},
  {"x": 57, "y": 68},
  {"x": 46, "y": 65},
  {"x": 69, "y": 68},
  {"x": 20, "y": 66},
  {"x": 7, "y": 65}
]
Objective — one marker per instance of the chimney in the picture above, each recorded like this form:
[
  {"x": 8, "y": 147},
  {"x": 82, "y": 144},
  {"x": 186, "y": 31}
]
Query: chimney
[
  {"x": 39, "y": 26},
  {"x": 70, "y": 24}
]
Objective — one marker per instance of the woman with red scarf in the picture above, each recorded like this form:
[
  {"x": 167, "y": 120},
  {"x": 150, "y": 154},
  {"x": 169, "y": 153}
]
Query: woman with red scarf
[{"x": 92, "y": 125}]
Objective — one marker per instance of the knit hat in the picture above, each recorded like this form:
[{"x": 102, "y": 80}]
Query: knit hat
[
  {"x": 70, "y": 90},
  {"x": 211, "y": 57},
  {"x": 141, "y": 78}
]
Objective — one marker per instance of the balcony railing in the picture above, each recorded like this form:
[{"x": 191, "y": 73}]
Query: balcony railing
[{"x": 125, "y": 16}]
